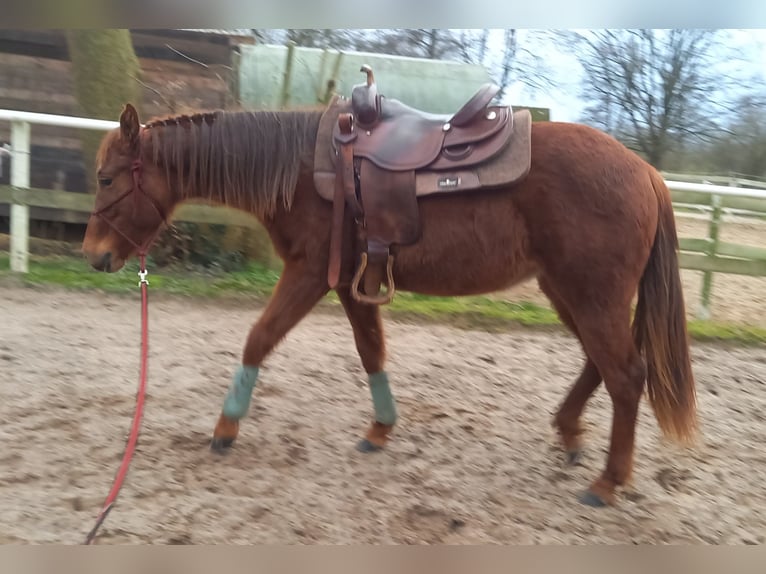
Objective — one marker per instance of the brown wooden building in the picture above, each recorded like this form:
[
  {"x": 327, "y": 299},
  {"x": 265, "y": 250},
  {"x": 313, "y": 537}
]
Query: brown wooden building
[{"x": 180, "y": 69}]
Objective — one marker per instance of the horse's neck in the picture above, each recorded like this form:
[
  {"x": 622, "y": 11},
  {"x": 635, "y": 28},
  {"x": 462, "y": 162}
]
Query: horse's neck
[{"x": 259, "y": 178}]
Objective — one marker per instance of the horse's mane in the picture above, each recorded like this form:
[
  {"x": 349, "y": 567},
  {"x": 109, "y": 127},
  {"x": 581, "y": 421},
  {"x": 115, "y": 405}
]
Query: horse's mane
[{"x": 248, "y": 159}]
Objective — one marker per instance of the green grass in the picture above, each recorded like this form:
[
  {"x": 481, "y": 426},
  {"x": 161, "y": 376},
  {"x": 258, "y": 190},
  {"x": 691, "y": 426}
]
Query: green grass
[
  {"x": 75, "y": 273},
  {"x": 257, "y": 281},
  {"x": 472, "y": 311},
  {"x": 715, "y": 331}
]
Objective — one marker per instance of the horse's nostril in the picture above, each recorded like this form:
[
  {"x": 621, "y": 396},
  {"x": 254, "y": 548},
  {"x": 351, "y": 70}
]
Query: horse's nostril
[{"x": 105, "y": 262}]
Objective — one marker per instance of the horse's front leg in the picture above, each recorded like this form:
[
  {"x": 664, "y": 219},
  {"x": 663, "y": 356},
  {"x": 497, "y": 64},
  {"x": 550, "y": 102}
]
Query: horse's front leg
[
  {"x": 299, "y": 289},
  {"x": 371, "y": 346}
]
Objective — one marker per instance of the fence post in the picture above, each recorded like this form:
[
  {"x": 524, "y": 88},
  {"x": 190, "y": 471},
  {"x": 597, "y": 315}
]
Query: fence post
[
  {"x": 707, "y": 276},
  {"x": 20, "y": 152},
  {"x": 284, "y": 96}
]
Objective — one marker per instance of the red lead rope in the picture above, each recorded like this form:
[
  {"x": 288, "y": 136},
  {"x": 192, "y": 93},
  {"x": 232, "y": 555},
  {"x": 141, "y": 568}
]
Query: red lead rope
[{"x": 133, "y": 438}]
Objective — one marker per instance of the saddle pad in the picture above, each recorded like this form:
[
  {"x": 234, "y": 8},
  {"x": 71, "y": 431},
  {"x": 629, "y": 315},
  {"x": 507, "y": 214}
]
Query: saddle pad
[{"x": 509, "y": 167}]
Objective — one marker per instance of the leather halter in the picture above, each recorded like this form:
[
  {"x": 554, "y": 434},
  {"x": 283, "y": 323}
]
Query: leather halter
[{"x": 142, "y": 248}]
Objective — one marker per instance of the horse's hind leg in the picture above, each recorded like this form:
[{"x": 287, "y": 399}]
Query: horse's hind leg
[
  {"x": 606, "y": 335},
  {"x": 298, "y": 290},
  {"x": 567, "y": 419},
  {"x": 370, "y": 343}
]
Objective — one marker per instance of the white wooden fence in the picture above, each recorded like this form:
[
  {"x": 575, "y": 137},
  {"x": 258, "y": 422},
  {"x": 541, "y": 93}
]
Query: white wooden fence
[
  {"x": 20, "y": 159},
  {"x": 708, "y": 255}
]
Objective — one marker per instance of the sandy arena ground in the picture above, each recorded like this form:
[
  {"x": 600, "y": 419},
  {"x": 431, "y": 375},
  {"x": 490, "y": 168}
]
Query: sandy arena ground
[{"x": 473, "y": 461}]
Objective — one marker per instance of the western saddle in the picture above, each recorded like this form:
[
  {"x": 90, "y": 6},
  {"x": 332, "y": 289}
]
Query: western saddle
[{"x": 386, "y": 154}]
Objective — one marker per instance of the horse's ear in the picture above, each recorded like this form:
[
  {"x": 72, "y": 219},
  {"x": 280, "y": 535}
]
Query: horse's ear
[{"x": 129, "y": 125}]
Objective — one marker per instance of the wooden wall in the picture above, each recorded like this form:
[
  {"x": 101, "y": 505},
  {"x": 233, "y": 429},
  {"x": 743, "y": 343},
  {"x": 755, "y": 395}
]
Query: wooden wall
[
  {"x": 180, "y": 69},
  {"x": 35, "y": 76}
]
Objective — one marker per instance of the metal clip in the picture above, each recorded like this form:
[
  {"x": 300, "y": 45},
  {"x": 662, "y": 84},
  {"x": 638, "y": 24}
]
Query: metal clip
[{"x": 142, "y": 277}]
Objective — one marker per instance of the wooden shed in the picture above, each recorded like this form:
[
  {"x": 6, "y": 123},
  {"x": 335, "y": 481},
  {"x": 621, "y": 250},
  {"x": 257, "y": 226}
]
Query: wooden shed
[{"x": 180, "y": 69}]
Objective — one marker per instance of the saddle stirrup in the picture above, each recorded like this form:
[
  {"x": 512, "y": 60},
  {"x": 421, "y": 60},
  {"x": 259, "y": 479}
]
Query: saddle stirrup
[{"x": 379, "y": 299}]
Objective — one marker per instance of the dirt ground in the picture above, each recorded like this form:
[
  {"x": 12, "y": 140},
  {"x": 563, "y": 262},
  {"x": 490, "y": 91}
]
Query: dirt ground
[{"x": 474, "y": 459}]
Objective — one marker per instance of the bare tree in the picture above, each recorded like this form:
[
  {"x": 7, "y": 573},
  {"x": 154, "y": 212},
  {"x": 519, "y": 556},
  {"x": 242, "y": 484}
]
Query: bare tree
[
  {"x": 431, "y": 43},
  {"x": 513, "y": 63},
  {"x": 650, "y": 88},
  {"x": 337, "y": 39},
  {"x": 743, "y": 149},
  {"x": 105, "y": 71},
  {"x": 510, "y": 55}
]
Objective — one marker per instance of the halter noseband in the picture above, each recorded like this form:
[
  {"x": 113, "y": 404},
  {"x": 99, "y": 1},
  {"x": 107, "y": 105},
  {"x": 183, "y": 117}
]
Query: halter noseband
[{"x": 135, "y": 169}]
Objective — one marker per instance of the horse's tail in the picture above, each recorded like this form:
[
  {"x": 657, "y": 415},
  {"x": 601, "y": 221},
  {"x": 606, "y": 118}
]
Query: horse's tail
[{"x": 659, "y": 328}]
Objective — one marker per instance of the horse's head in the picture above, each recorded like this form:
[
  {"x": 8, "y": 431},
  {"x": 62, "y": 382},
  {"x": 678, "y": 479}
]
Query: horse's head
[{"x": 132, "y": 200}]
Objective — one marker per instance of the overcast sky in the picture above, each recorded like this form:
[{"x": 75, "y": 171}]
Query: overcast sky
[{"x": 564, "y": 101}]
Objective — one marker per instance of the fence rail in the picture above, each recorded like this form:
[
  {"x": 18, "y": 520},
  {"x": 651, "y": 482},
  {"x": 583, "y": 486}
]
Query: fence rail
[
  {"x": 733, "y": 179},
  {"x": 83, "y": 203},
  {"x": 707, "y": 254}
]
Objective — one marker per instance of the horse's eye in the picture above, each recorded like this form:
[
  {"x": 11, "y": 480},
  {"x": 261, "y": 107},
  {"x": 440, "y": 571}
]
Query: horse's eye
[{"x": 105, "y": 181}]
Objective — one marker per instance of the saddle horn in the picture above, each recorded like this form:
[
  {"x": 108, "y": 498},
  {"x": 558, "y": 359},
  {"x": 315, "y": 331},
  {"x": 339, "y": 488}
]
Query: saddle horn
[
  {"x": 365, "y": 99},
  {"x": 370, "y": 76}
]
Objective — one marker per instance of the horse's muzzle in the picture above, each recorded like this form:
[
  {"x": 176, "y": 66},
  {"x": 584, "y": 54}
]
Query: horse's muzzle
[{"x": 102, "y": 263}]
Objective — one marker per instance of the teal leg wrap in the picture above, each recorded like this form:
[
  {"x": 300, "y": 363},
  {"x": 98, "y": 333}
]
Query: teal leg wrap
[
  {"x": 241, "y": 390},
  {"x": 382, "y": 400}
]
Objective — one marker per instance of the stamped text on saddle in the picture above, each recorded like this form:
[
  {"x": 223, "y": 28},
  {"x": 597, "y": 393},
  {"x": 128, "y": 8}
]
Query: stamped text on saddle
[{"x": 376, "y": 156}]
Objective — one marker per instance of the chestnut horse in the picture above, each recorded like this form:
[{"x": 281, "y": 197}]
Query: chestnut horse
[{"x": 592, "y": 222}]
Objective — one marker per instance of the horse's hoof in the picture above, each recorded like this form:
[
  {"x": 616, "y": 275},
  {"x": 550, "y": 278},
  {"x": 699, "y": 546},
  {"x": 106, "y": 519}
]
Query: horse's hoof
[
  {"x": 221, "y": 445},
  {"x": 365, "y": 445},
  {"x": 573, "y": 457},
  {"x": 592, "y": 500}
]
